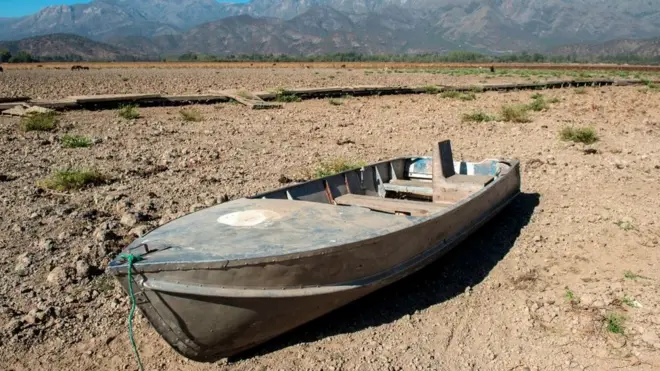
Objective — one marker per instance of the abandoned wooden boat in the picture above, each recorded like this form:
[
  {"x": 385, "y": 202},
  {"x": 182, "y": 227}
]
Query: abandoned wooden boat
[{"x": 227, "y": 278}]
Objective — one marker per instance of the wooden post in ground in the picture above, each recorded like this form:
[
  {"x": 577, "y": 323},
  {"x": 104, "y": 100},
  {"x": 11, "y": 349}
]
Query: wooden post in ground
[{"x": 442, "y": 168}]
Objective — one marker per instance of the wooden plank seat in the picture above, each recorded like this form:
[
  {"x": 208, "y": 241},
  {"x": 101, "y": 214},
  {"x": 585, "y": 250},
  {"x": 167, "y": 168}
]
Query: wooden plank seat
[
  {"x": 459, "y": 184},
  {"x": 391, "y": 205}
]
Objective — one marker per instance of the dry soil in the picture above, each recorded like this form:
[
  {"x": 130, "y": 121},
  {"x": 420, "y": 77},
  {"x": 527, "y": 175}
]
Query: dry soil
[{"x": 567, "y": 277}]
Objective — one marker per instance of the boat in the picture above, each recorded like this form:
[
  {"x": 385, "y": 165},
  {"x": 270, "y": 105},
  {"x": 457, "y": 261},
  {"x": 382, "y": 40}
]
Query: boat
[{"x": 219, "y": 281}]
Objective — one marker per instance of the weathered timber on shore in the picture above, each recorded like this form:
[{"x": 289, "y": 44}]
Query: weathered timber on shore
[{"x": 264, "y": 99}]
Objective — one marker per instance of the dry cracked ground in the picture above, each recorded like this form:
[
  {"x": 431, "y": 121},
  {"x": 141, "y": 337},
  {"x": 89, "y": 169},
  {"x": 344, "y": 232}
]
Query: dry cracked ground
[{"x": 564, "y": 278}]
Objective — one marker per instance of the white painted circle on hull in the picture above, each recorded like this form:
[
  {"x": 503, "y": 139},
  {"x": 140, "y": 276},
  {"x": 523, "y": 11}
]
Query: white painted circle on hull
[{"x": 247, "y": 218}]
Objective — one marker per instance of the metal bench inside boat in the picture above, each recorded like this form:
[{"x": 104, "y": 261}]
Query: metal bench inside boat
[
  {"x": 391, "y": 205},
  {"x": 405, "y": 186}
]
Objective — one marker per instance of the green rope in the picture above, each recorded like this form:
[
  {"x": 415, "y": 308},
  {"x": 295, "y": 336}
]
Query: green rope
[{"x": 131, "y": 259}]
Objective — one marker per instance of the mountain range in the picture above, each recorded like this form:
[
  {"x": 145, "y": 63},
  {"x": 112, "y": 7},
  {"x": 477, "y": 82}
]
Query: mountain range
[{"x": 303, "y": 27}]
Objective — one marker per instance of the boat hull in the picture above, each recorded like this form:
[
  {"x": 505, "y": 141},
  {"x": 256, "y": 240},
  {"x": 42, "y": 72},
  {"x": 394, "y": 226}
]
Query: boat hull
[{"x": 213, "y": 311}]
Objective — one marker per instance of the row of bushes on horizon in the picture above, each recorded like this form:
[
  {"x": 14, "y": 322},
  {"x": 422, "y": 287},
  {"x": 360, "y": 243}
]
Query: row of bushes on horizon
[{"x": 451, "y": 57}]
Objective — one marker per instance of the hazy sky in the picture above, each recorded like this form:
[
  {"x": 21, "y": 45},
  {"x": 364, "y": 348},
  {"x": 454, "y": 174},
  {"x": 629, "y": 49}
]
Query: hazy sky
[{"x": 17, "y": 8}]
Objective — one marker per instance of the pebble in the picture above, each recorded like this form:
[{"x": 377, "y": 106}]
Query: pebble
[
  {"x": 47, "y": 244},
  {"x": 129, "y": 220},
  {"x": 123, "y": 206},
  {"x": 83, "y": 269},
  {"x": 104, "y": 233},
  {"x": 22, "y": 264},
  {"x": 57, "y": 277}
]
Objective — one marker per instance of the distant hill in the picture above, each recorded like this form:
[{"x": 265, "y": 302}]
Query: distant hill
[
  {"x": 59, "y": 46},
  {"x": 320, "y": 30},
  {"x": 370, "y": 26}
]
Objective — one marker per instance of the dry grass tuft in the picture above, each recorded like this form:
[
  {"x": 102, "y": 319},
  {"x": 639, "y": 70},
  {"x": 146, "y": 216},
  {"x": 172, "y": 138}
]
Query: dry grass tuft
[
  {"x": 336, "y": 166},
  {"x": 477, "y": 117},
  {"x": 129, "y": 112},
  {"x": 515, "y": 113},
  {"x": 579, "y": 135},
  {"x": 39, "y": 122},
  {"x": 191, "y": 115},
  {"x": 75, "y": 141},
  {"x": 71, "y": 179}
]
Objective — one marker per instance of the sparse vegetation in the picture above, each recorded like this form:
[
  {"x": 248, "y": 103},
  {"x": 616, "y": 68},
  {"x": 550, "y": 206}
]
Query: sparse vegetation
[
  {"x": 633, "y": 276},
  {"x": 579, "y": 135},
  {"x": 455, "y": 94},
  {"x": 287, "y": 98},
  {"x": 335, "y": 102},
  {"x": 477, "y": 117},
  {"x": 515, "y": 113},
  {"x": 75, "y": 141},
  {"x": 580, "y": 91},
  {"x": 626, "y": 225},
  {"x": 72, "y": 179},
  {"x": 614, "y": 323},
  {"x": 570, "y": 296},
  {"x": 630, "y": 302},
  {"x": 129, "y": 112},
  {"x": 191, "y": 115},
  {"x": 538, "y": 104},
  {"x": 467, "y": 96},
  {"x": 431, "y": 89},
  {"x": 336, "y": 166},
  {"x": 39, "y": 122},
  {"x": 450, "y": 94}
]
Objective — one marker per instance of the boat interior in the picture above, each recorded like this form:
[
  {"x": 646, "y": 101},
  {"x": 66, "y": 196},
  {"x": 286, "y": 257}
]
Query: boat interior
[{"x": 412, "y": 186}]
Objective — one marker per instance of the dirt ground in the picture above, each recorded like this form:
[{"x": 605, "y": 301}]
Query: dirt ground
[
  {"x": 55, "y": 84},
  {"x": 567, "y": 277}
]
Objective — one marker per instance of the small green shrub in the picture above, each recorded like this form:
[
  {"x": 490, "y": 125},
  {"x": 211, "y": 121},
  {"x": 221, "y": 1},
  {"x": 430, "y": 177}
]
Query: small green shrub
[
  {"x": 75, "y": 141},
  {"x": 539, "y": 104},
  {"x": 129, "y": 112},
  {"x": 614, "y": 323},
  {"x": 336, "y": 166},
  {"x": 515, "y": 113},
  {"x": 287, "y": 98},
  {"x": 431, "y": 89},
  {"x": 69, "y": 179},
  {"x": 335, "y": 102},
  {"x": 467, "y": 96},
  {"x": 570, "y": 296},
  {"x": 191, "y": 115},
  {"x": 477, "y": 117},
  {"x": 579, "y": 135},
  {"x": 458, "y": 95},
  {"x": 39, "y": 122}
]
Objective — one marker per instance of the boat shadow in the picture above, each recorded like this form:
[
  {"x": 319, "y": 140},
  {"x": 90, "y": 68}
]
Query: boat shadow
[{"x": 466, "y": 265}]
